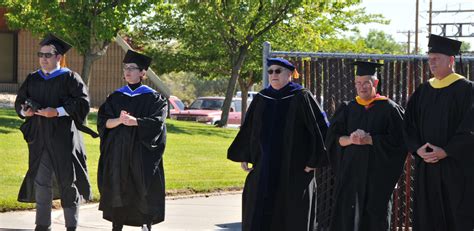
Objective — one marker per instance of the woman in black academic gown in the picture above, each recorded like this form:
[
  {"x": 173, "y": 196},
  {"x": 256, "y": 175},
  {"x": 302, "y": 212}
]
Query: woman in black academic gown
[
  {"x": 132, "y": 129},
  {"x": 283, "y": 138}
]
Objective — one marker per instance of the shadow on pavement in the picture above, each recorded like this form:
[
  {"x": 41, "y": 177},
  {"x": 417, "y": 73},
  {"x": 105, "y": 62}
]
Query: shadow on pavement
[
  {"x": 5, "y": 229},
  {"x": 230, "y": 226}
]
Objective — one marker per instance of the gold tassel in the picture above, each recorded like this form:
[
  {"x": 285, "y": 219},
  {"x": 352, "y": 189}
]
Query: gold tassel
[
  {"x": 296, "y": 75},
  {"x": 62, "y": 63}
]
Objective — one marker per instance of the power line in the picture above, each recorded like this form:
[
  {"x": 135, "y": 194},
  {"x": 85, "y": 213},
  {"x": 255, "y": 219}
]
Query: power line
[
  {"x": 451, "y": 11},
  {"x": 456, "y": 27}
]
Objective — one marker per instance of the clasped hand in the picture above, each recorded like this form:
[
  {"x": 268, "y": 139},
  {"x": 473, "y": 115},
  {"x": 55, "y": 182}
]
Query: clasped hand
[
  {"x": 126, "y": 119},
  {"x": 360, "y": 137},
  {"x": 431, "y": 153}
]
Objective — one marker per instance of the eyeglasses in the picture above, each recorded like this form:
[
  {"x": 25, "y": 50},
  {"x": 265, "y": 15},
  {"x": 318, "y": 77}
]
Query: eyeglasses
[
  {"x": 363, "y": 84},
  {"x": 46, "y": 55},
  {"x": 130, "y": 68},
  {"x": 277, "y": 71}
]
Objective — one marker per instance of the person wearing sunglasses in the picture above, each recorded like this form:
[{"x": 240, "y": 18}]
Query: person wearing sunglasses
[
  {"x": 367, "y": 152},
  {"x": 54, "y": 102},
  {"x": 131, "y": 124},
  {"x": 282, "y": 137}
]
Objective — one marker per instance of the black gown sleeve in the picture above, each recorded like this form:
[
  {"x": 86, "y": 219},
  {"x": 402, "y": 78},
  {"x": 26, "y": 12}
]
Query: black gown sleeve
[
  {"x": 337, "y": 128},
  {"x": 240, "y": 150},
  {"x": 317, "y": 125},
  {"x": 390, "y": 146},
  {"x": 460, "y": 145},
  {"x": 410, "y": 128},
  {"x": 152, "y": 126},
  {"x": 76, "y": 103},
  {"x": 105, "y": 112}
]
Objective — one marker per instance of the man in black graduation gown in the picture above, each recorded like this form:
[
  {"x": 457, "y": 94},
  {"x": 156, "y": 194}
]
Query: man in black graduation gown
[
  {"x": 132, "y": 130},
  {"x": 283, "y": 138},
  {"x": 365, "y": 142},
  {"x": 54, "y": 102},
  {"x": 439, "y": 132}
]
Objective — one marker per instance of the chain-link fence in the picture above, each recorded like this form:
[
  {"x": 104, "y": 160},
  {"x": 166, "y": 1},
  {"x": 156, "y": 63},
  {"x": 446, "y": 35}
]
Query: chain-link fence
[{"x": 330, "y": 77}]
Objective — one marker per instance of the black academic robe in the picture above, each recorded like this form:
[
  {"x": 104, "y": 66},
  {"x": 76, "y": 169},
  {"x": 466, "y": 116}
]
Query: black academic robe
[
  {"x": 130, "y": 173},
  {"x": 444, "y": 191},
  {"x": 282, "y": 133},
  {"x": 365, "y": 174},
  {"x": 57, "y": 137}
]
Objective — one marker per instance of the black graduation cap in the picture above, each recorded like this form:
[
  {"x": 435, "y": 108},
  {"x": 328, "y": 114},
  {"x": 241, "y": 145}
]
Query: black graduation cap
[
  {"x": 443, "y": 45},
  {"x": 61, "y": 46},
  {"x": 280, "y": 62},
  {"x": 141, "y": 60},
  {"x": 366, "y": 68}
]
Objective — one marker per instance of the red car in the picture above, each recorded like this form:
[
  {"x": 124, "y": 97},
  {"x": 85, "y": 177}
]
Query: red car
[
  {"x": 175, "y": 105},
  {"x": 208, "y": 110}
]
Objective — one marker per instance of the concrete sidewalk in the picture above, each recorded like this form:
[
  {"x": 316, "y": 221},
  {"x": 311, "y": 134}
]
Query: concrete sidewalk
[{"x": 198, "y": 213}]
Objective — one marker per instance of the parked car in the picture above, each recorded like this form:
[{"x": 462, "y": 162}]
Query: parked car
[
  {"x": 250, "y": 94},
  {"x": 209, "y": 110},
  {"x": 175, "y": 105}
]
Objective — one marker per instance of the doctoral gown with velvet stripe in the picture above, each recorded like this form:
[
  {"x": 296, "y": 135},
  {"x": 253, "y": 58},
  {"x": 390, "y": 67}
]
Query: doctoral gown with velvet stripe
[{"x": 282, "y": 133}]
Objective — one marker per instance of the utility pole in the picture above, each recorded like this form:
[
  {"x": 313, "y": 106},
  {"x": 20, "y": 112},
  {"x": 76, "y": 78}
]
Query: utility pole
[
  {"x": 408, "y": 33},
  {"x": 416, "y": 26},
  {"x": 430, "y": 12},
  {"x": 409, "y": 38}
]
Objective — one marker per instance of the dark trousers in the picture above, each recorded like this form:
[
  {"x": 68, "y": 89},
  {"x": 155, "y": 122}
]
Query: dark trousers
[{"x": 44, "y": 196}]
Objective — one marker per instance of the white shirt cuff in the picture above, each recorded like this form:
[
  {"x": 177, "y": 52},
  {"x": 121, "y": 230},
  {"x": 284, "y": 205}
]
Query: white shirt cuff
[{"x": 61, "y": 112}]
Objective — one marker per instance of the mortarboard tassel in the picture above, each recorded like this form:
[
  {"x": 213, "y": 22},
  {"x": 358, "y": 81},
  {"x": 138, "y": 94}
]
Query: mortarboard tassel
[
  {"x": 63, "y": 63},
  {"x": 295, "y": 74}
]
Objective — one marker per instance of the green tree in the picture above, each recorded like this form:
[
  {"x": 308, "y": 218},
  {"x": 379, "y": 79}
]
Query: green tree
[
  {"x": 217, "y": 37},
  {"x": 90, "y": 26},
  {"x": 465, "y": 47},
  {"x": 383, "y": 43}
]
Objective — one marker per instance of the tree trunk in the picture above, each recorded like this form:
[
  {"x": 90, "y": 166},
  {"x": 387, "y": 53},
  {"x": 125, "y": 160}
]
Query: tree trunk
[
  {"x": 245, "y": 92},
  {"x": 95, "y": 52},
  {"x": 244, "y": 87},
  {"x": 88, "y": 60},
  {"x": 236, "y": 66}
]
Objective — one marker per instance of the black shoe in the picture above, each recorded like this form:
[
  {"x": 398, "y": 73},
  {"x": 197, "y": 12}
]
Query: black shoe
[
  {"x": 71, "y": 228},
  {"x": 117, "y": 227},
  {"x": 42, "y": 228}
]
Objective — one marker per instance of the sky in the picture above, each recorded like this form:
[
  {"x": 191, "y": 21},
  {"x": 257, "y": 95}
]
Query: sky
[{"x": 402, "y": 15}]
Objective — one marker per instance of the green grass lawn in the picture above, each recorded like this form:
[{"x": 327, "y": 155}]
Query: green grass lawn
[{"x": 194, "y": 159}]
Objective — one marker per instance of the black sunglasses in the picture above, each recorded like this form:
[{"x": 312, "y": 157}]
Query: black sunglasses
[
  {"x": 130, "y": 68},
  {"x": 277, "y": 71},
  {"x": 46, "y": 55}
]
